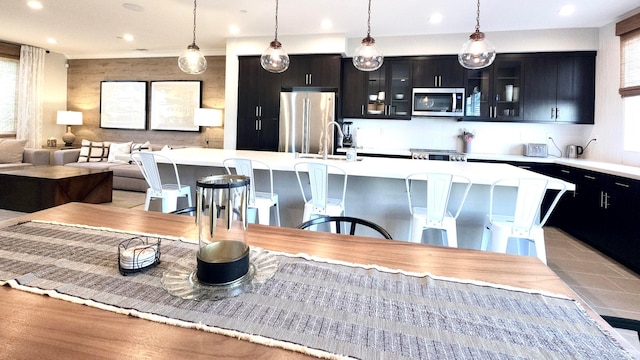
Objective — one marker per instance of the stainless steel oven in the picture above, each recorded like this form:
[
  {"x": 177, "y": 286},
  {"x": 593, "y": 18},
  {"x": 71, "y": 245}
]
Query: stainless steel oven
[{"x": 433, "y": 154}]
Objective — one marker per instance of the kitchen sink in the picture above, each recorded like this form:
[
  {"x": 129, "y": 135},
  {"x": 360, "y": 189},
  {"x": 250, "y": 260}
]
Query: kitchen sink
[{"x": 320, "y": 157}]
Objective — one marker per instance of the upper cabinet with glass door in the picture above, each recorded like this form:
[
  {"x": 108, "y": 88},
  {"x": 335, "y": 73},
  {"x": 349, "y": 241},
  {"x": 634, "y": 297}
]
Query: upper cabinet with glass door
[
  {"x": 387, "y": 92},
  {"x": 493, "y": 93}
]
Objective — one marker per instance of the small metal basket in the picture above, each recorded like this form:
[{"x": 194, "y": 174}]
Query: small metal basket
[{"x": 138, "y": 254}]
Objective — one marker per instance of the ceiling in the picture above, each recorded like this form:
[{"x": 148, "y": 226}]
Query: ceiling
[{"x": 95, "y": 28}]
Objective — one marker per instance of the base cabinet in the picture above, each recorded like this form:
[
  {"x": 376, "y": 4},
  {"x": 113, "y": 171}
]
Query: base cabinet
[{"x": 602, "y": 212}]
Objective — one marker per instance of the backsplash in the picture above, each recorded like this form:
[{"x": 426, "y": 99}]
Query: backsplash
[{"x": 490, "y": 138}]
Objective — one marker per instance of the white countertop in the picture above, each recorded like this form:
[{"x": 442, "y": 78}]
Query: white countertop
[
  {"x": 395, "y": 168},
  {"x": 627, "y": 171}
]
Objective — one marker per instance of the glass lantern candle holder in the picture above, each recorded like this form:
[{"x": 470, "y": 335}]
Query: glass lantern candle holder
[{"x": 221, "y": 214}]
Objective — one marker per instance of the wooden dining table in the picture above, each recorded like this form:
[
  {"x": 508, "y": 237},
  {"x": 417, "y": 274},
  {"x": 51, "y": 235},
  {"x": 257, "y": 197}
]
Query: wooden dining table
[{"x": 37, "y": 326}]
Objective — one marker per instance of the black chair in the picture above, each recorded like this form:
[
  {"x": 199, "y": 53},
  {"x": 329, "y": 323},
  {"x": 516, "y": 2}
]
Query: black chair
[
  {"x": 622, "y": 323},
  {"x": 350, "y": 222},
  {"x": 191, "y": 210}
]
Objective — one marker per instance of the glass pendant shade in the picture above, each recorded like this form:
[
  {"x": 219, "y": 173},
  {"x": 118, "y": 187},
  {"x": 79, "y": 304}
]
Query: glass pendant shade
[
  {"x": 477, "y": 52},
  {"x": 192, "y": 61},
  {"x": 367, "y": 56},
  {"x": 275, "y": 59}
]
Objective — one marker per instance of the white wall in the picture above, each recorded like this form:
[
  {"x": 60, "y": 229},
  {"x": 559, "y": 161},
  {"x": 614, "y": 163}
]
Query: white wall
[{"x": 498, "y": 138}]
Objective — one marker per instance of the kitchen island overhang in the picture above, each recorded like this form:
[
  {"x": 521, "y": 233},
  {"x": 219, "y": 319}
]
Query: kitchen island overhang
[{"x": 376, "y": 186}]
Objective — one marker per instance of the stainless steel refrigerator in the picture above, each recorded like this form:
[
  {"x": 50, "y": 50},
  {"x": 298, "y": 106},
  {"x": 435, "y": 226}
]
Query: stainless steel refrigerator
[{"x": 303, "y": 117}]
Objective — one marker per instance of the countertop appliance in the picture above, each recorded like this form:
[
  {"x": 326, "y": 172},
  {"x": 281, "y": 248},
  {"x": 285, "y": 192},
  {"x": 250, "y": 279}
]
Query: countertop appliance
[
  {"x": 574, "y": 151},
  {"x": 438, "y": 102},
  {"x": 433, "y": 154},
  {"x": 348, "y": 140},
  {"x": 535, "y": 150},
  {"x": 304, "y": 115}
]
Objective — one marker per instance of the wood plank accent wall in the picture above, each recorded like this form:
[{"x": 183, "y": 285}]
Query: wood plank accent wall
[{"x": 83, "y": 94}]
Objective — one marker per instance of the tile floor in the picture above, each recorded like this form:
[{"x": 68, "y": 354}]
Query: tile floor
[{"x": 608, "y": 287}]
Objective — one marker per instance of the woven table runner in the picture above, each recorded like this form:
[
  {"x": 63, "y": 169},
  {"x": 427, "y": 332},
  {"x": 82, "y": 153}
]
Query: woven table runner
[{"x": 323, "y": 308}]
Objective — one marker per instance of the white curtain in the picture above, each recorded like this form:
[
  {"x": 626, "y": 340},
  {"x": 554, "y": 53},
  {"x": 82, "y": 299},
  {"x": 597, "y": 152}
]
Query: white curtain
[{"x": 30, "y": 95}]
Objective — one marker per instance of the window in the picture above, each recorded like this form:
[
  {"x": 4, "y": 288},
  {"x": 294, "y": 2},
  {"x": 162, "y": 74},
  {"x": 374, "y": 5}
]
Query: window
[
  {"x": 629, "y": 32},
  {"x": 8, "y": 95}
]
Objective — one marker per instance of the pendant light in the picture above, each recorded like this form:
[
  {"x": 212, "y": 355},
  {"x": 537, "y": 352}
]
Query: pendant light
[
  {"x": 275, "y": 59},
  {"x": 367, "y": 56},
  {"x": 192, "y": 61},
  {"x": 477, "y": 52}
]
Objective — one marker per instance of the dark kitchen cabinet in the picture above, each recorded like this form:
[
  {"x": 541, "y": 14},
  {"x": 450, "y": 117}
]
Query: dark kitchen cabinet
[
  {"x": 437, "y": 71},
  {"x": 381, "y": 94},
  {"x": 560, "y": 87},
  {"x": 312, "y": 71},
  {"x": 494, "y": 93},
  {"x": 258, "y": 106},
  {"x": 604, "y": 213}
]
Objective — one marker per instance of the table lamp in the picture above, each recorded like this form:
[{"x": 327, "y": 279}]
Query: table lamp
[
  {"x": 208, "y": 118},
  {"x": 69, "y": 118}
]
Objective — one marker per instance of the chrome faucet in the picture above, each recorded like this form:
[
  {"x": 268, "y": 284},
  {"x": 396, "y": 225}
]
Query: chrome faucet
[{"x": 325, "y": 149}]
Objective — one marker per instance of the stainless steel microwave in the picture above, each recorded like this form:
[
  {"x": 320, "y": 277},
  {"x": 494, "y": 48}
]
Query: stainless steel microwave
[{"x": 438, "y": 102}]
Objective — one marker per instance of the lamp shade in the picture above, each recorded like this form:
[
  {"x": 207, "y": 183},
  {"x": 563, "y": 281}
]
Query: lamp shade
[
  {"x": 69, "y": 118},
  {"x": 207, "y": 117}
]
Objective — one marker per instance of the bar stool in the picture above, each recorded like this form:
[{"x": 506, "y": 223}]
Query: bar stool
[
  {"x": 435, "y": 214},
  {"x": 263, "y": 202},
  {"x": 320, "y": 204},
  {"x": 168, "y": 193},
  {"x": 524, "y": 223}
]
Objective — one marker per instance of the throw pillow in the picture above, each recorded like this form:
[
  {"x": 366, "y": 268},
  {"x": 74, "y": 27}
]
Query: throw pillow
[
  {"x": 11, "y": 150},
  {"x": 93, "y": 151},
  {"x": 119, "y": 151},
  {"x": 140, "y": 146}
]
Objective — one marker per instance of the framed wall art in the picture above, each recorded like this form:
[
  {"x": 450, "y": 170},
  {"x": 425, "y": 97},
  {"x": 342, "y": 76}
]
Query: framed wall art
[
  {"x": 123, "y": 105},
  {"x": 173, "y": 104}
]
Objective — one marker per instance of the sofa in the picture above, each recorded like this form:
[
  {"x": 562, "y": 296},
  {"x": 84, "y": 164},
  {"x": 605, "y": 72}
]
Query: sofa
[
  {"x": 14, "y": 155},
  {"x": 108, "y": 156}
]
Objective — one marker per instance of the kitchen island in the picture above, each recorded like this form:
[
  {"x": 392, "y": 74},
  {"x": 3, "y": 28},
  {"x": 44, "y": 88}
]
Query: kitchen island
[{"x": 375, "y": 191}]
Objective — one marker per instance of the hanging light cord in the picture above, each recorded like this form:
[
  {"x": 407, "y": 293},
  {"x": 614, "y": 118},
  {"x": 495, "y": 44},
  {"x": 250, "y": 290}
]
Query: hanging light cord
[
  {"x": 369, "y": 21},
  {"x": 276, "y": 38},
  {"x": 194, "y": 22},
  {"x": 478, "y": 17}
]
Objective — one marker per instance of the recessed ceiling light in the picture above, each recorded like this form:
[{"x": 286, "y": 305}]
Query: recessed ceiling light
[
  {"x": 133, "y": 7},
  {"x": 326, "y": 24},
  {"x": 37, "y": 5},
  {"x": 234, "y": 29},
  {"x": 127, "y": 37},
  {"x": 52, "y": 41},
  {"x": 566, "y": 10},
  {"x": 435, "y": 18}
]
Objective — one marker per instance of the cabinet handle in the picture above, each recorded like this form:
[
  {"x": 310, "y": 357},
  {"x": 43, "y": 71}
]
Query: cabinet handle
[
  {"x": 310, "y": 79},
  {"x": 605, "y": 199},
  {"x": 621, "y": 184},
  {"x": 435, "y": 80},
  {"x": 495, "y": 111},
  {"x": 439, "y": 81},
  {"x": 260, "y": 122},
  {"x": 601, "y": 198},
  {"x": 257, "y": 111},
  {"x": 565, "y": 171},
  {"x": 257, "y": 124},
  {"x": 362, "y": 110},
  {"x": 260, "y": 110},
  {"x": 590, "y": 177},
  {"x": 556, "y": 113}
]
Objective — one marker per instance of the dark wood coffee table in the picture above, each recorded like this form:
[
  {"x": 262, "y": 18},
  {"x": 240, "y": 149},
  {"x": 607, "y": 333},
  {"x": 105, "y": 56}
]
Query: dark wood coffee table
[{"x": 40, "y": 187}]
